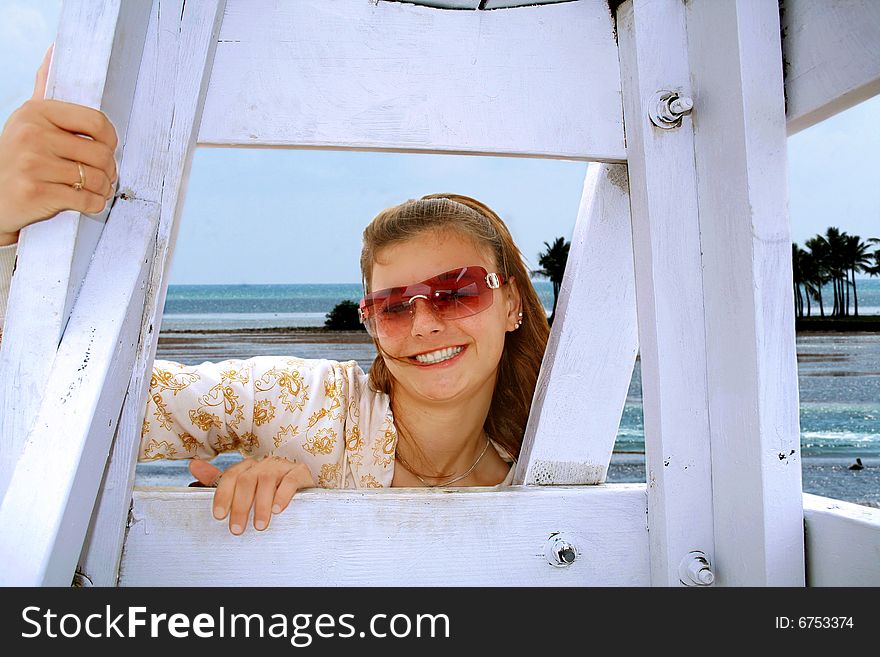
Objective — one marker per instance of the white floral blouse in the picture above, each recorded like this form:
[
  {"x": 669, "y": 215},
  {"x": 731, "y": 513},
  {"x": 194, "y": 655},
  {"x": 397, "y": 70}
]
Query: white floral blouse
[{"x": 317, "y": 411}]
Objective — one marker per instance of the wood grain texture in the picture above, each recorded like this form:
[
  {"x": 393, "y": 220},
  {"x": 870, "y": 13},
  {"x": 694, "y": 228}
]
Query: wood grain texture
[
  {"x": 668, "y": 281},
  {"x": 50, "y": 496},
  {"x": 588, "y": 364},
  {"x": 539, "y": 81},
  {"x": 842, "y": 542},
  {"x": 832, "y": 57},
  {"x": 177, "y": 57},
  {"x": 395, "y": 537},
  {"x": 745, "y": 236},
  {"x": 91, "y": 65}
]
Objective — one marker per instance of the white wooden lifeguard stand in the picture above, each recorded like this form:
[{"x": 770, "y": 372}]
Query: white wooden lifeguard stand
[{"x": 682, "y": 245}]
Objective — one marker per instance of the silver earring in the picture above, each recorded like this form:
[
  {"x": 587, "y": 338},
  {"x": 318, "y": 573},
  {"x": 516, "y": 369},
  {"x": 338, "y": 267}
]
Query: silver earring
[{"x": 519, "y": 323}]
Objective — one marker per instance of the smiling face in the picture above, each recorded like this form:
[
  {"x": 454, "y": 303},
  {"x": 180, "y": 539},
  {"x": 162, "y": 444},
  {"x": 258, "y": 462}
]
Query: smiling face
[{"x": 474, "y": 370}]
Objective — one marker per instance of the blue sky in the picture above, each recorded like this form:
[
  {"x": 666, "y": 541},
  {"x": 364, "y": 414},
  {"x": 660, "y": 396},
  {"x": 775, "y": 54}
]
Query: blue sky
[{"x": 284, "y": 216}]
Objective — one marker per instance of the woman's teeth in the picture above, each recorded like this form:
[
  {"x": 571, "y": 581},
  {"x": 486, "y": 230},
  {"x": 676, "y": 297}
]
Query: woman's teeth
[{"x": 439, "y": 356}]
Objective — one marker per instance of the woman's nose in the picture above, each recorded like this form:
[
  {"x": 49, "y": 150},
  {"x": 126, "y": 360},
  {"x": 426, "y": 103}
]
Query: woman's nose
[{"x": 424, "y": 319}]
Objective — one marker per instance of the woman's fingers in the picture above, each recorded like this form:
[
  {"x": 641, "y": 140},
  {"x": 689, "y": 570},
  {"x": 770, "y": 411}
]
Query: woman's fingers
[
  {"x": 267, "y": 486},
  {"x": 298, "y": 477},
  {"x": 206, "y": 473},
  {"x": 75, "y": 149},
  {"x": 65, "y": 197},
  {"x": 80, "y": 120},
  {"x": 276, "y": 472},
  {"x": 242, "y": 499},
  {"x": 226, "y": 488},
  {"x": 66, "y": 172}
]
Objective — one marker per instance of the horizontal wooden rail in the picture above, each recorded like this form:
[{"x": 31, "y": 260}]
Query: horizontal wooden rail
[
  {"x": 842, "y": 542},
  {"x": 832, "y": 57},
  {"x": 538, "y": 81},
  {"x": 396, "y": 537}
]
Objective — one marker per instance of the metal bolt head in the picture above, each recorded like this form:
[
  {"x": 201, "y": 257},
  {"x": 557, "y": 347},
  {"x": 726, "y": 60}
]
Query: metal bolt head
[
  {"x": 560, "y": 551},
  {"x": 695, "y": 569},
  {"x": 666, "y": 108}
]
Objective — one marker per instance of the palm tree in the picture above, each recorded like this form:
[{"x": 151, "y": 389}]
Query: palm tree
[
  {"x": 835, "y": 263},
  {"x": 856, "y": 258},
  {"x": 817, "y": 248},
  {"x": 874, "y": 270},
  {"x": 810, "y": 279},
  {"x": 552, "y": 263},
  {"x": 797, "y": 278}
]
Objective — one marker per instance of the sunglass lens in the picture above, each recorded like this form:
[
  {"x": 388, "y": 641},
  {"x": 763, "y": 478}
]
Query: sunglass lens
[{"x": 455, "y": 294}]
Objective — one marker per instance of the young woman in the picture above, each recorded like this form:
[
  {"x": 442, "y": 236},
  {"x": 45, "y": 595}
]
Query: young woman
[{"x": 459, "y": 329}]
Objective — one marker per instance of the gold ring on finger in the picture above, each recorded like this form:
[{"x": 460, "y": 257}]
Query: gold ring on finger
[
  {"x": 82, "y": 178},
  {"x": 216, "y": 482}
]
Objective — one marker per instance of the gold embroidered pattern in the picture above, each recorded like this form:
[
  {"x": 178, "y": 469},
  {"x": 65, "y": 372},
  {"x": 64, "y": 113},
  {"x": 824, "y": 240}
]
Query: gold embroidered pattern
[
  {"x": 329, "y": 476},
  {"x": 290, "y": 384},
  {"x": 263, "y": 412},
  {"x": 248, "y": 443},
  {"x": 190, "y": 443},
  {"x": 290, "y": 431},
  {"x": 223, "y": 394},
  {"x": 369, "y": 481},
  {"x": 384, "y": 447},
  {"x": 204, "y": 420},
  {"x": 156, "y": 450},
  {"x": 322, "y": 442},
  {"x": 162, "y": 413},
  {"x": 162, "y": 380},
  {"x": 233, "y": 375},
  {"x": 353, "y": 439}
]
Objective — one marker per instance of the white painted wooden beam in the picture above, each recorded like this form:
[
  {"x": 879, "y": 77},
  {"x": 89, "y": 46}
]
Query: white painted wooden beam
[
  {"x": 832, "y": 57},
  {"x": 165, "y": 118},
  {"x": 588, "y": 364},
  {"x": 97, "y": 48},
  {"x": 49, "y": 500},
  {"x": 538, "y": 81},
  {"x": 509, "y": 4},
  {"x": 668, "y": 281},
  {"x": 842, "y": 542},
  {"x": 395, "y": 537},
  {"x": 745, "y": 237}
]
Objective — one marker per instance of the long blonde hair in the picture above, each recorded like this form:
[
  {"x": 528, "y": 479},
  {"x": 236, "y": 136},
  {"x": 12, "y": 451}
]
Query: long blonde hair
[{"x": 523, "y": 348}]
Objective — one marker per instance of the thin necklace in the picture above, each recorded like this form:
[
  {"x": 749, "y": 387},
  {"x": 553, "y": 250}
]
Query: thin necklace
[{"x": 451, "y": 481}]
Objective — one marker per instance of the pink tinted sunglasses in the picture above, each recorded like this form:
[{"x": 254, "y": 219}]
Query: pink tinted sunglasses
[{"x": 457, "y": 293}]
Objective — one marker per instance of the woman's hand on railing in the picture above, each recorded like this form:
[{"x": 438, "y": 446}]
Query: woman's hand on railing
[
  {"x": 42, "y": 147},
  {"x": 267, "y": 485}
]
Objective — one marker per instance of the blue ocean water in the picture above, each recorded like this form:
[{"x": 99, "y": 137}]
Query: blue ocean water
[{"x": 838, "y": 375}]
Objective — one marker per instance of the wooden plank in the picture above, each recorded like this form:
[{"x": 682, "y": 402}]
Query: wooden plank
[
  {"x": 668, "y": 281},
  {"x": 745, "y": 236},
  {"x": 508, "y": 4},
  {"x": 539, "y": 81},
  {"x": 588, "y": 364},
  {"x": 842, "y": 542},
  {"x": 394, "y": 538},
  {"x": 445, "y": 4},
  {"x": 172, "y": 82},
  {"x": 91, "y": 65},
  {"x": 832, "y": 57},
  {"x": 50, "y": 496}
]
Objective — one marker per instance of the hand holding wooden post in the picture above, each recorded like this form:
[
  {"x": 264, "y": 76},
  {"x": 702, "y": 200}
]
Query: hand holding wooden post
[{"x": 54, "y": 156}]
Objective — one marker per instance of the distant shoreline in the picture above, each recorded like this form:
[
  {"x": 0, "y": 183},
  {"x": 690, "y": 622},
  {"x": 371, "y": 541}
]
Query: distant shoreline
[{"x": 862, "y": 324}]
